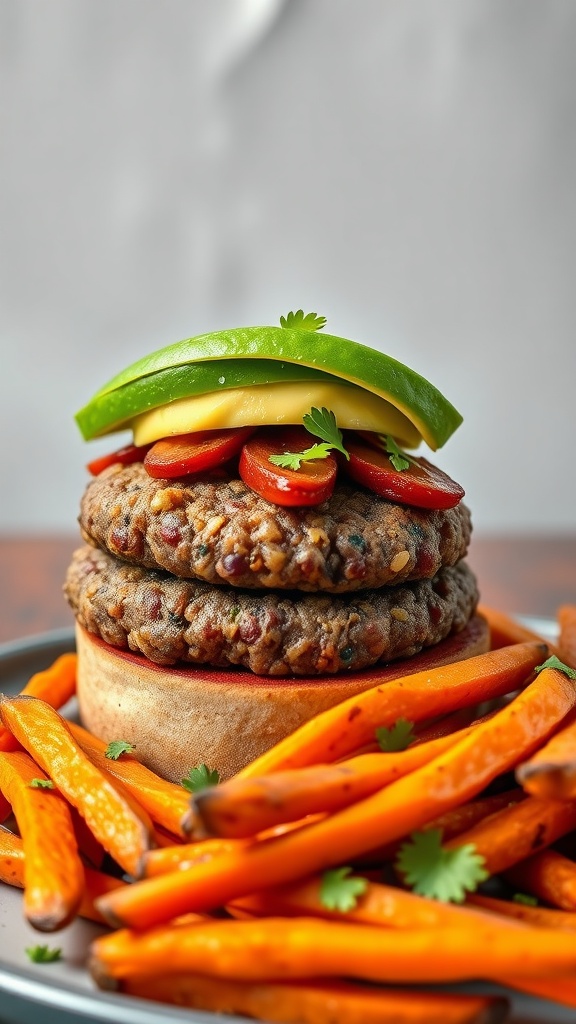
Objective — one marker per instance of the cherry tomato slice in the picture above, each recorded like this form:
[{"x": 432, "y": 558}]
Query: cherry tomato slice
[
  {"x": 422, "y": 484},
  {"x": 194, "y": 453},
  {"x": 125, "y": 456},
  {"x": 309, "y": 485}
]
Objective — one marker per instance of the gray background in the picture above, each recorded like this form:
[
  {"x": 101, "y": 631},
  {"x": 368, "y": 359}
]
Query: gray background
[{"x": 405, "y": 167}]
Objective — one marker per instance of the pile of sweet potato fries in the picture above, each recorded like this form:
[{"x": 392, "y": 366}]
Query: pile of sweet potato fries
[{"x": 226, "y": 906}]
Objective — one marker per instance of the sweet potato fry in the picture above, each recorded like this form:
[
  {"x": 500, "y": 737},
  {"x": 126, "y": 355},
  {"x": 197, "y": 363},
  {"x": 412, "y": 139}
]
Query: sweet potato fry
[
  {"x": 172, "y": 858},
  {"x": 11, "y": 858},
  {"x": 54, "y": 877},
  {"x": 333, "y": 734},
  {"x": 456, "y": 776},
  {"x": 537, "y": 917},
  {"x": 517, "y": 832},
  {"x": 12, "y": 868},
  {"x": 395, "y": 908},
  {"x": 505, "y": 630},
  {"x": 164, "y": 838},
  {"x": 548, "y": 875},
  {"x": 314, "y": 1002},
  {"x": 243, "y": 807},
  {"x": 56, "y": 685},
  {"x": 123, "y": 829},
  {"x": 551, "y": 771},
  {"x": 165, "y": 802},
  {"x": 453, "y": 823},
  {"x": 90, "y": 848},
  {"x": 302, "y": 947},
  {"x": 567, "y": 640},
  {"x": 383, "y": 905}
]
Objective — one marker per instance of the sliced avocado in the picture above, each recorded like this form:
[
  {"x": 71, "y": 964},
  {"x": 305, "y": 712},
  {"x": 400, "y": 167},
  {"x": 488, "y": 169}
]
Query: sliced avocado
[
  {"x": 109, "y": 411},
  {"x": 277, "y": 403},
  {"x": 432, "y": 414}
]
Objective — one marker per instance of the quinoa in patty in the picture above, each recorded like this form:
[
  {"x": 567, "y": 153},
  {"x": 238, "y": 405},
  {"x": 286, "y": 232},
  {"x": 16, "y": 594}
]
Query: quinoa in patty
[
  {"x": 216, "y": 529},
  {"x": 169, "y": 619}
]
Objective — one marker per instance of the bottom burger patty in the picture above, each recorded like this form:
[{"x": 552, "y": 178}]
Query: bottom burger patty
[{"x": 173, "y": 620}]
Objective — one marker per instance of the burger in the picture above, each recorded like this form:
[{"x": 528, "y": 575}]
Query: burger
[{"x": 267, "y": 546}]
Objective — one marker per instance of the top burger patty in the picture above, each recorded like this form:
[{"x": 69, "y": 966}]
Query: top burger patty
[{"x": 215, "y": 528}]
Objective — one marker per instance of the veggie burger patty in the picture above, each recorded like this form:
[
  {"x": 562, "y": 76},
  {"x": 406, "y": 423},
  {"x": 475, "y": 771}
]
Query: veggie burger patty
[
  {"x": 221, "y": 531},
  {"x": 168, "y": 619}
]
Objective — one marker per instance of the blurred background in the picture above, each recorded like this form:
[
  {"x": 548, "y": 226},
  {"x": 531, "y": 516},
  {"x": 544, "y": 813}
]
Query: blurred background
[{"x": 405, "y": 168}]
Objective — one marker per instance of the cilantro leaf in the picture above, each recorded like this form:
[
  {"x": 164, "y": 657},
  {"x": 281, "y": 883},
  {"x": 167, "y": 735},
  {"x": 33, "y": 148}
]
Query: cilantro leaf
[
  {"x": 118, "y": 747},
  {"x": 397, "y": 737},
  {"x": 340, "y": 892},
  {"x": 300, "y": 321},
  {"x": 441, "y": 874},
  {"x": 293, "y": 460},
  {"x": 554, "y": 662},
  {"x": 44, "y": 954},
  {"x": 200, "y": 778},
  {"x": 322, "y": 423},
  {"x": 399, "y": 459},
  {"x": 525, "y": 899},
  {"x": 41, "y": 784}
]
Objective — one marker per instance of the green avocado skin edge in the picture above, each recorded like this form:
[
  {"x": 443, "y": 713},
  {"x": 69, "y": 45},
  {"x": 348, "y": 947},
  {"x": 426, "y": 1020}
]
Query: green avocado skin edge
[{"x": 433, "y": 415}]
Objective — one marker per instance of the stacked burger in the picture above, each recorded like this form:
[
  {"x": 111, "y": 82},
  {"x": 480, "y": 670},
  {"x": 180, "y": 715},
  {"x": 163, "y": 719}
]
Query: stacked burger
[{"x": 240, "y": 574}]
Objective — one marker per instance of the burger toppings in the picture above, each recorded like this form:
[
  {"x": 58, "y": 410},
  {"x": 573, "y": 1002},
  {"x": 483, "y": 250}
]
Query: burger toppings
[
  {"x": 256, "y": 376},
  {"x": 267, "y": 468},
  {"x": 387, "y": 407},
  {"x": 193, "y": 453},
  {"x": 123, "y": 456},
  {"x": 417, "y": 482},
  {"x": 321, "y": 423}
]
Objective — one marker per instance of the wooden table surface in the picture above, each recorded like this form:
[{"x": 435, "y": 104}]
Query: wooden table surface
[{"x": 528, "y": 575}]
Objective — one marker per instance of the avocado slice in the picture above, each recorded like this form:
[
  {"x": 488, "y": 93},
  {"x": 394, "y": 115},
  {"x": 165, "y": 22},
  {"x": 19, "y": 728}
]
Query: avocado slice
[
  {"x": 434, "y": 416},
  {"x": 112, "y": 410}
]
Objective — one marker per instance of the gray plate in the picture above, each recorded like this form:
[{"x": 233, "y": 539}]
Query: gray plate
[{"x": 62, "y": 993}]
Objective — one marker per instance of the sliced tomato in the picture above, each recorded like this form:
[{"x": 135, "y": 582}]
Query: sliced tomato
[
  {"x": 311, "y": 484},
  {"x": 130, "y": 453},
  {"x": 422, "y": 484},
  {"x": 194, "y": 453}
]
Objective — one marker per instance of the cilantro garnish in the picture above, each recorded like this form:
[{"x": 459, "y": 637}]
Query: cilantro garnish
[
  {"x": 116, "y": 748},
  {"x": 321, "y": 423},
  {"x": 293, "y": 460},
  {"x": 399, "y": 458},
  {"x": 41, "y": 784},
  {"x": 397, "y": 737},
  {"x": 340, "y": 892},
  {"x": 554, "y": 662},
  {"x": 200, "y": 778},
  {"x": 441, "y": 874},
  {"x": 525, "y": 899},
  {"x": 301, "y": 321},
  {"x": 44, "y": 954}
]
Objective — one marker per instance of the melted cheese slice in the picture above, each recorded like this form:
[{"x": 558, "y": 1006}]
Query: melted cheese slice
[{"x": 273, "y": 404}]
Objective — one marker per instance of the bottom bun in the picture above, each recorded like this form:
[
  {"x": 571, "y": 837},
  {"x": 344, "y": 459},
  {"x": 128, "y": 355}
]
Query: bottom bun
[{"x": 178, "y": 718}]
